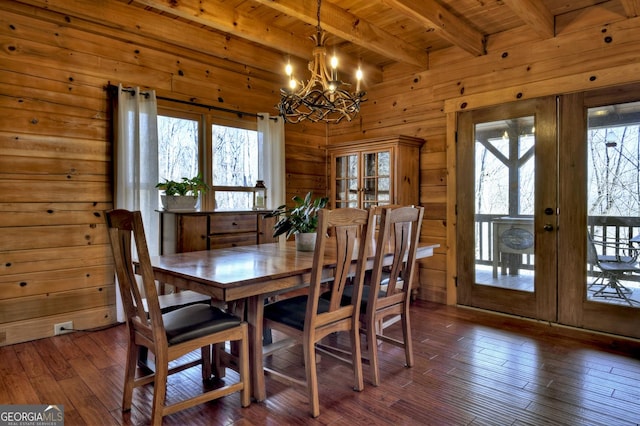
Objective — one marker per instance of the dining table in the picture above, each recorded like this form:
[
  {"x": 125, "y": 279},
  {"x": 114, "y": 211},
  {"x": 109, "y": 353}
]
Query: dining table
[{"x": 251, "y": 274}]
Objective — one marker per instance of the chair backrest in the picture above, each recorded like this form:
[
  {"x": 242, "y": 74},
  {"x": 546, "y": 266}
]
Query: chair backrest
[
  {"x": 126, "y": 227},
  {"x": 400, "y": 231},
  {"x": 592, "y": 253},
  {"x": 351, "y": 238}
]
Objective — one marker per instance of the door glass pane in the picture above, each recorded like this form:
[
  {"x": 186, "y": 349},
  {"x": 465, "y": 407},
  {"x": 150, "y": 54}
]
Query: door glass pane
[
  {"x": 370, "y": 164},
  {"x": 346, "y": 181},
  {"x": 383, "y": 164},
  {"x": 376, "y": 180},
  {"x": 613, "y": 197},
  {"x": 504, "y": 203}
]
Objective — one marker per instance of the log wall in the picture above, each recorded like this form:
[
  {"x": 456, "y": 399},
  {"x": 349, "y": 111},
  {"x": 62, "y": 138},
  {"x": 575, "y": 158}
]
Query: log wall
[
  {"x": 58, "y": 56},
  {"x": 55, "y": 143}
]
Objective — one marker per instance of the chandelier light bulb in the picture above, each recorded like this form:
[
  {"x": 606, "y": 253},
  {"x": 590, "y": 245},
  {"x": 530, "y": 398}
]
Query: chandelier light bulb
[{"x": 323, "y": 97}]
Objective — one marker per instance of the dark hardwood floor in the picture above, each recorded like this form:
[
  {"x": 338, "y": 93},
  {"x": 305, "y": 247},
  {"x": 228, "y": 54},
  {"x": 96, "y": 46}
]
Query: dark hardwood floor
[{"x": 472, "y": 368}]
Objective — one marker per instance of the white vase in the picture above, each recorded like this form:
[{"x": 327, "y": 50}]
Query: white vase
[
  {"x": 305, "y": 241},
  {"x": 179, "y": 202}
]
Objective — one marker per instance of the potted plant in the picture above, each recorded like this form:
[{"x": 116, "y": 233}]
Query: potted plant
[
  {"x": 301, "y": 220},
  {"x": 183, "y": 194}
]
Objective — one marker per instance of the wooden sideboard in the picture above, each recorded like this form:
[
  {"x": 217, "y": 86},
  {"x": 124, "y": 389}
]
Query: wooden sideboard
[{"x": 192, "y": 231}]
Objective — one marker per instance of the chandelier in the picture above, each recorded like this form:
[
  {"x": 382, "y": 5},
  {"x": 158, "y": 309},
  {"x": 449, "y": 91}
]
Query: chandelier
[{"x": 324, "y": 97}]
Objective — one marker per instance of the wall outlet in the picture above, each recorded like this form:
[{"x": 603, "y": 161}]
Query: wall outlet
[{"x": 63, "y": 328}]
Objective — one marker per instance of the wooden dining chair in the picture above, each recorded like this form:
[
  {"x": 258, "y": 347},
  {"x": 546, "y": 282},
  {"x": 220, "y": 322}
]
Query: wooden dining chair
[
  {"x": 170, "y": 302},
  {"x": 387, "y": 296},
  {"x": 309, "y": 317},
  {"x": 171, "y": 335}
]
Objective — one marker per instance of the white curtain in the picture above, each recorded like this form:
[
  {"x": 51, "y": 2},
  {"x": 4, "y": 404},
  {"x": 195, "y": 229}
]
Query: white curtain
[
  {"x": 271, "y": 139},
  {"x": 136, "y": 162}
]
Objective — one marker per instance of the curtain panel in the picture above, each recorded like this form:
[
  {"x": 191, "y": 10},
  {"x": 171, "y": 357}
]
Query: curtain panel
[
  {"x": 271, "y": 141},
  {"x": 135, "y": 160}
]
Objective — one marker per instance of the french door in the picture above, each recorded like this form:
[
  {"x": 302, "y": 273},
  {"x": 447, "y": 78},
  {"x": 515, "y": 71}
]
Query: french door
[
  {"x": 548, "y": 192},
  {"x": 506, "y": 203},
  {"x": 599, "y": 183}
]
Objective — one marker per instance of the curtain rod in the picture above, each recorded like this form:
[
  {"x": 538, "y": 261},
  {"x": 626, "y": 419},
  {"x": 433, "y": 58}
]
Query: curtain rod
[{"x": 209, "y": 107}]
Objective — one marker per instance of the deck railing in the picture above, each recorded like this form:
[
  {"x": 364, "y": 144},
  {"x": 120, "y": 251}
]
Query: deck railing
[{"x": 602, "y": 228}]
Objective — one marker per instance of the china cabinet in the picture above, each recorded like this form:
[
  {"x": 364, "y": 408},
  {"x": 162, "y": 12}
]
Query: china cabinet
[{"x": 371, "y": 172}]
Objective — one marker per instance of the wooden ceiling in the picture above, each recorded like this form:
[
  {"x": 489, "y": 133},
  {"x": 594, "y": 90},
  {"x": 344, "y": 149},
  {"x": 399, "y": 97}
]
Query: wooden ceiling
[{"x": 376, "y": 33}]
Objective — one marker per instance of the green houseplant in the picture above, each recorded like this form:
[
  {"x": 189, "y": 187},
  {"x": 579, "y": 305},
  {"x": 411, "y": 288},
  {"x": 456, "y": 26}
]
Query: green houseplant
[
  {"x": 300, "y": 219},
  {"x": 182, "y": 194}
]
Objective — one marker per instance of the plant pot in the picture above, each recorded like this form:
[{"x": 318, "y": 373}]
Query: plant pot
[
  {"x": 179, "y": 202},
  {"x": 305, "y": 241}
]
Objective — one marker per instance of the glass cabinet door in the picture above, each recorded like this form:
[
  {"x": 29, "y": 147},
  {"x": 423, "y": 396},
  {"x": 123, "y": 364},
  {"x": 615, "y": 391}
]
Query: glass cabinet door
[
  {"x": 346, "y": 181},
  {"x": 376, "y": 179}
]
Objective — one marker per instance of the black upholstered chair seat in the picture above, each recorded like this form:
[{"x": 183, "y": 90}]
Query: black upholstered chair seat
[
  {"x": 348, "y": 291},
  {"x": 195, "y": 321},
  {"x": 292, "y": 311}
]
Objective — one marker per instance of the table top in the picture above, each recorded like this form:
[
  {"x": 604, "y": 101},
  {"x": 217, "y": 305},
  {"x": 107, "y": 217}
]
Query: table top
[{"x": 237, "y": 272}]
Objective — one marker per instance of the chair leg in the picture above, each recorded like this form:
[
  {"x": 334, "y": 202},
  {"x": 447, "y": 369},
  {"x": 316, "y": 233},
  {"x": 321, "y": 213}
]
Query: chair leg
[
  {"x": 159, "y": 390},
  {"x": 372, "y": 349},
  {"x": 406, "y": 334},
  {"x": 356, "y": 352},
  {"x": 312, "y": 376},
  {"x": 129, "y": 376}
]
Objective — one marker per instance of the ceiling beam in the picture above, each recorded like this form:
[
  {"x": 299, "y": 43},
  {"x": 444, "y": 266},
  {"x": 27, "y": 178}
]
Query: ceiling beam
[
  {"x": 631, "y": 8},
  {"x": 536, "y": 15},
  {"x": 432, "y": 15},
  {"x": 227, "y": 19},
  {"x": 241, "y": 25},
  {"x": 349, "y": 27}
]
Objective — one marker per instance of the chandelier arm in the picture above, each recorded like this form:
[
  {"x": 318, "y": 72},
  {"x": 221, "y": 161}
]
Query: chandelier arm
[{"x": 323, "y": 97}]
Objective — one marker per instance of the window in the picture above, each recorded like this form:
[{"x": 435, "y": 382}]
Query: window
[
  {"x": 235, "y": 161},
  {"x": 228, "y": 156},
  {"x": 177, "y": 147}
]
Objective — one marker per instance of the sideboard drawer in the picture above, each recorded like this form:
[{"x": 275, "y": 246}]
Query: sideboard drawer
[
  {"x": 232, "y": 240},
  {"x": 231, "y": 223}
]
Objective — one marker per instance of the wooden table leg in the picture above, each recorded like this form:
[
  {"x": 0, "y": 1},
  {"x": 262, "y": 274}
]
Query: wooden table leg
[{"x": 255, "y": 312}]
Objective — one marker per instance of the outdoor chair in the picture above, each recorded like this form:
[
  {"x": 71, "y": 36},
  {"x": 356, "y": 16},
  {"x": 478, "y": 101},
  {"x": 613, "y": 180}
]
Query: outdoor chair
[{"x": 613, "y": 269}]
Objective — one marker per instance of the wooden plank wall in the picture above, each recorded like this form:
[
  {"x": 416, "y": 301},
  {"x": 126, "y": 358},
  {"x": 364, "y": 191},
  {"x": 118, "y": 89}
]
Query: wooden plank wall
[
  {"x": 593, "y": 47},
  {"x": 55, "y": 143},
  {"x": 55, "y": 136}
]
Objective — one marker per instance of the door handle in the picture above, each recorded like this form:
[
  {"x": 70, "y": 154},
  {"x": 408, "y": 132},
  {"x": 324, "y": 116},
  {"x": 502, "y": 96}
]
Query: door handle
[{"x": 548, "y": 227}]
